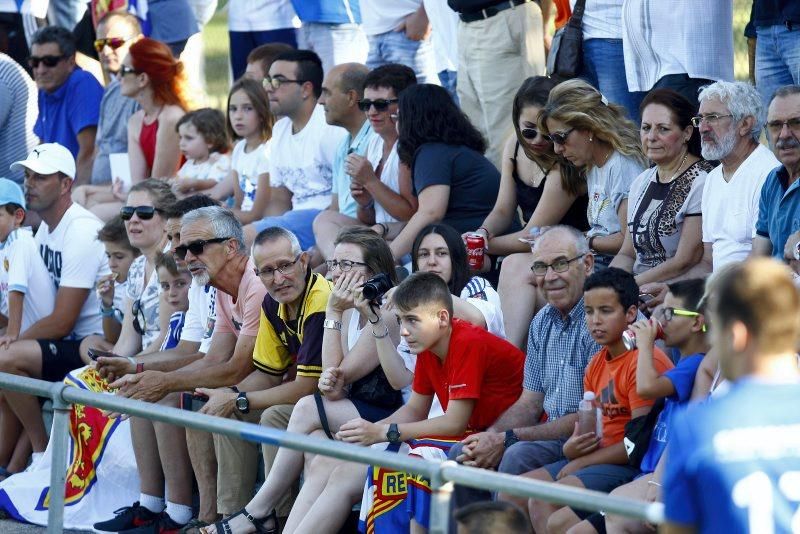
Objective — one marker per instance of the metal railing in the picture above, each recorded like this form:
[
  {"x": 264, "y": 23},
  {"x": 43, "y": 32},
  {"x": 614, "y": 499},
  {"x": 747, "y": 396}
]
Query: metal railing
[{"x": 441, "y": 476}]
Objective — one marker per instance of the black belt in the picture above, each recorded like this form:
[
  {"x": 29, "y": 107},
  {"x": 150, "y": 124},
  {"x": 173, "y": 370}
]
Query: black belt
[{"x": 491, "y": 11}]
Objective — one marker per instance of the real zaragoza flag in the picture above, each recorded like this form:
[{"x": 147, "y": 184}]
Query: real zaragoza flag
[{"x": 101, "y": 473}]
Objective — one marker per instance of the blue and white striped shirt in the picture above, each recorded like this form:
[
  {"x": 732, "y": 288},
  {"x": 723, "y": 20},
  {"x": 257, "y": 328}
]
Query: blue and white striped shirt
[{"x": 559, "y": 349}]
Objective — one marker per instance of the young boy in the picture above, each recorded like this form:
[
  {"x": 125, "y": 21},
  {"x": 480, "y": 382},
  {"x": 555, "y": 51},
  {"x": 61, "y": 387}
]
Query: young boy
[
  {"x": 26, "y": 292},
  {"x": 175, "y": 282},
  {"x": 610, "y": 299},
  {"x": 684, "y": 328},
  {"x": 733, "y": 464},
  {"x": 475, "y": 375}
]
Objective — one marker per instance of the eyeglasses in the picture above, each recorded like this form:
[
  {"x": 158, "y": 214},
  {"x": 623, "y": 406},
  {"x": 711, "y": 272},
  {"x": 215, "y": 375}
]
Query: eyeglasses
[
  {"x": 196, "y": 247},
  {"x": 344, "y": 265},
  {"x": 274, "y": 83},
  {"x": 559, "y": 138},
  {"x": 559, "y": 266},
  {"x": 49, "y": 61},
  {"x": 113, "y": 42},
  {"x": 138, "y": 311},
  {"x": 145, "y": 213},
  {"x": 268, "y": 273},
  {"x": 711, "y": 119},
  {"x": 124, "y": 69},
  {"x": 531, "y": 133},
  {"x": 776, "y": 127},
  {"x": 669, "y": 313},
  {"x": 381, "y": 104}
]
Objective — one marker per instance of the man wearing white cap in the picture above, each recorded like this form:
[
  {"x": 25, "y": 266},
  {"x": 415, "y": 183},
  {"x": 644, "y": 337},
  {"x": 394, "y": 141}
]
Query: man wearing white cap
[{"x": 75, "y": 260}]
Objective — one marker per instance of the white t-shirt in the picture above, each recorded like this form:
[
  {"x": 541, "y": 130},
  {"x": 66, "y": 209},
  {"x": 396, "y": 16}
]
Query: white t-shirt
[
  {"x": 444, "y": 33},
  {"x": 303, "y": 162},
  {"x": 260, "y": 16},
  {"x": 248, "y": 166},
  {"x": 75, "y": 258},
  {"x": 23, "y": 270},
  {"x": 602, "y": 19},
  {"x": 381, "y": 16},
  {"x": 390, "y": 176},
  {"x": 201, "y": 316},
  {"x": 216, "y": 167},
  {"x": 730, "y": 209}
]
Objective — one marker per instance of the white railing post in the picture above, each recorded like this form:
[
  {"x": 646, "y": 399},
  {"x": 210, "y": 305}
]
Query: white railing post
[{"x": 59, "y": 439}]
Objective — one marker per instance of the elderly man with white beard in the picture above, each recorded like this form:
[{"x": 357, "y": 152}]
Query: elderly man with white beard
[{"x": 730, "y": 121}]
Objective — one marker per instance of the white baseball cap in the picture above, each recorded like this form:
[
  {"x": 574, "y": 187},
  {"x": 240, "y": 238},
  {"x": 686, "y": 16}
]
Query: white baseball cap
[{"x": 48, "y": 158}]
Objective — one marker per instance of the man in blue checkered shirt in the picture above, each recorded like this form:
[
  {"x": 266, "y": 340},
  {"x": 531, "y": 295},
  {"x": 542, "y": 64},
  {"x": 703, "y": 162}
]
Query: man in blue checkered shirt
[{"x": 532, "y": 431}]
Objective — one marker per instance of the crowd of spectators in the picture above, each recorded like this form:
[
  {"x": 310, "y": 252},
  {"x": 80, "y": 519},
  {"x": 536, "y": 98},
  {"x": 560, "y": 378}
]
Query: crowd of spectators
[{"x": 304, "y": 259}]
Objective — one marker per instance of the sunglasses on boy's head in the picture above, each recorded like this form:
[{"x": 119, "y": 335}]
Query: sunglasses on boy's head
[
  {"x": 145, "y": 213},
  {"x": 113, "y": 42},
  {"x": 49, "y": 61},
  {"x": 196, "y": 247},
  {"x": 381, "y": 104}
]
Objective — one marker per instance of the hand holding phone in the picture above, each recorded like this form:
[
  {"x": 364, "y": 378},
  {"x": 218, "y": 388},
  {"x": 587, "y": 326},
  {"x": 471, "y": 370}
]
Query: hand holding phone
[
  {"x": 193, "y": 401},
  {"x": 96, "y": 353}
]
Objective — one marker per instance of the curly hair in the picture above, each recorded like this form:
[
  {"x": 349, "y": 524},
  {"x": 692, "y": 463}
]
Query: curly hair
[
  {"x": 258, "y": 98},
  {"x": 210, "y": 124},
  {"x": 429, "y": 115},
  {"x": 166, "y": 74},
  {"x": 579, "y": 105},
  {"x": 681, "y": 110},
  {"x": 534, "y": 91}
]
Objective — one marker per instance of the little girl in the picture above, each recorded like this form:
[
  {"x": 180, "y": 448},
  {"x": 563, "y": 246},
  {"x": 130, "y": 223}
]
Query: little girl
[
  {"x": 175, "y": 282},
  {"x": 203, "y": 141},
  {"x": 249, "y": 119}
]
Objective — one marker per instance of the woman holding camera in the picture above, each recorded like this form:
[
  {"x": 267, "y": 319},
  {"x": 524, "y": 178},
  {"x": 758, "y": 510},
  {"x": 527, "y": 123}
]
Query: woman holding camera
[{"x": 353, "y": 385}]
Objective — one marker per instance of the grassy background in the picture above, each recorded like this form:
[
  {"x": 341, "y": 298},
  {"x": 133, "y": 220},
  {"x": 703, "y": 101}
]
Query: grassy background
[{"x": 215, "y": 39}]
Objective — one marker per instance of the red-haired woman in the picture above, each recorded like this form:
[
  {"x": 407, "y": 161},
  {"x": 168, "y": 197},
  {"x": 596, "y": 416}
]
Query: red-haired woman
[{"x": 155, "y": 79}]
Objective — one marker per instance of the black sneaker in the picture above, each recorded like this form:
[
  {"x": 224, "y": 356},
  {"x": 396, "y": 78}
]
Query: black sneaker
[
  {"x": 128, "y": 517},
  {"x": 162, "y": 525}
]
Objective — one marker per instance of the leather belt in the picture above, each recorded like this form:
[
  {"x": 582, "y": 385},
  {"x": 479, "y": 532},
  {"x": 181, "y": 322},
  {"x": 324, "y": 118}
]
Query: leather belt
[{"x": 491, "y": 11}]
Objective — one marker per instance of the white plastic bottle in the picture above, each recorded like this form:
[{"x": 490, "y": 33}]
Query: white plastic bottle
[{"x": 587, "y": 414}]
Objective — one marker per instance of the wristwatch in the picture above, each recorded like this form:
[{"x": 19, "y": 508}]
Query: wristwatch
[
  {"x": 242, "y": 404},
  {"x": 393, "y": 435},
  {"x": 511, "y": 438}
]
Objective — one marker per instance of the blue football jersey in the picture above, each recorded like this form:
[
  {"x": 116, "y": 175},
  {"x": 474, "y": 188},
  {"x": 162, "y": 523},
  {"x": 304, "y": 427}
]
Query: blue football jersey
[{"x": 733, "y": 463}]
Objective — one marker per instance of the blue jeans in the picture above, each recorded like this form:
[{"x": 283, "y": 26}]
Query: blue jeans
[
  {"x": 299, "y": 222},
  {"x": 395, "y": 47},
  {"x": 449, "y": 80},
  {"x": 777, "y": 59},
  {"x": 604, "y": 68},
  {"x": 242, "y": 43}
]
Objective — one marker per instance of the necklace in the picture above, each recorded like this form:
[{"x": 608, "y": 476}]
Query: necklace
[{"x": 678, "y": 170}]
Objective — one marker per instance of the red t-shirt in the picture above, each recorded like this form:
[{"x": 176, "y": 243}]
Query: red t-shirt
[
  {"x": 480, "y": 366},
  {"x": 614, "y": 383}
]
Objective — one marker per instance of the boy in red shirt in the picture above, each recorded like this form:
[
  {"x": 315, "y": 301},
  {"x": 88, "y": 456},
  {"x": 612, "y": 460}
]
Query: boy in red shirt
[
  {"x": 610, "y": 297},
  {"x": 475, "y": 375}
]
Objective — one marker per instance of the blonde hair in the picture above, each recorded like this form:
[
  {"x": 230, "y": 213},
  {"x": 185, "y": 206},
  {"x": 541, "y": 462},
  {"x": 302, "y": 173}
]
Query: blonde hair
[{"x": 579, "y": 105}]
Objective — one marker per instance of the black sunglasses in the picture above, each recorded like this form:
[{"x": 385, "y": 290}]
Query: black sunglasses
[
  {"x": 381, "y": 104},
  {"x": 49, "y": 61},
  {"x": 559, "y": 138},
  {"x": 196, "y": 247},
  {"x": 137, "y": 310},
  {"x": 529, "y": 133},
  {"x": 145, "y": 213}
]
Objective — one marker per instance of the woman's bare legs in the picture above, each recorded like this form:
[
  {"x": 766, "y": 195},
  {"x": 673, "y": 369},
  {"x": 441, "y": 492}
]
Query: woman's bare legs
[{"x": 519, "y": 297}]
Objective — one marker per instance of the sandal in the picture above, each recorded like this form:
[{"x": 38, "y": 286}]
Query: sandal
[{"x": 224, "y": 525}]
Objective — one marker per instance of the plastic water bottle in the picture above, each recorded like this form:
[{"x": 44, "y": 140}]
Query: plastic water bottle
[{"x": 588, "y": 420}]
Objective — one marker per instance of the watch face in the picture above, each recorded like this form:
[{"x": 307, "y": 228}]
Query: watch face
[{"x": 242, "y": 404}]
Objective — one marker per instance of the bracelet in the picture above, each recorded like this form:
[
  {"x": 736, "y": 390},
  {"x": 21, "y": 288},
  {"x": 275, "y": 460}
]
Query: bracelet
[
  {"x": 330, "y": 324},
  {"x": 376, "y": 321},
  {"x": 591, "y": 240},
  {"x": 139, "y": 368},
  {"x": 107, "y": 312},
  {"x": 654, "y": 483},
  {"x": 384, "y": 228},
  {"x": 385, "y": 333},
  {"x": 234, "y": 389},
  {"x": 488, "y": 234}
]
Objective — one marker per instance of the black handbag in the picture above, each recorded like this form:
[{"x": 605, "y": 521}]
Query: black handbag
[
  {"x": 376, "y": 390},
  {"x": 638, "y": 433},
  {"x": 565, "y": 58}
]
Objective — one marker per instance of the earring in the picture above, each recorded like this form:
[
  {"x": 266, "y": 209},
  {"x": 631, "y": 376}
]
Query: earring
[{"x": 591, "y": 139}]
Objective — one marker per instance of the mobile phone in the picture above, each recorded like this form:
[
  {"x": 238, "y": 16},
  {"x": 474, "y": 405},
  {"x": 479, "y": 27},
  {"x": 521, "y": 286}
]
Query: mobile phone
[
  {"x": 96, "y": 353},
  {"x": 193, "y": 401},
  {"x": 644, "y": 298}
]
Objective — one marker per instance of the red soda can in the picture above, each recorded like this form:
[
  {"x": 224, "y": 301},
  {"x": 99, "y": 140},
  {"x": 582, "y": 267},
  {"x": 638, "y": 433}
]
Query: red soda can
[
  {"x": 475, "y": 247},
  {"x": 629, "y": 336}
]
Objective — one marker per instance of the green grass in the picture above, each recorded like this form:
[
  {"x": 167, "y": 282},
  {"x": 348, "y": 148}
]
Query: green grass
[{"x": 215, "y": 38}]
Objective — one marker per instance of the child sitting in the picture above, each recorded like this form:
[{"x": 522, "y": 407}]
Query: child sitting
[
  {"x": 204, "y": 143},
  {"x": 175, "y": 284},
  {"x": 610, "y": 298},
  {"x": 112, "y": 288}
]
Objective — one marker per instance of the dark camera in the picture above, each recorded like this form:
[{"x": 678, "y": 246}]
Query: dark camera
[{"x": 374, "y": 288}]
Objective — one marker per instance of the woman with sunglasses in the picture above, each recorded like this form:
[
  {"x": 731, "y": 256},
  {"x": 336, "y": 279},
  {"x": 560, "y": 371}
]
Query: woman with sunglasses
[
  {"x": 546, "y": 188},
  {"x": 455, "y": 183},
  {"x": 596, "y": 136},
  {"x": 664, "y": 241},
  {"x": 151, "y": 76},
  {"x": 353, "y": 385}
]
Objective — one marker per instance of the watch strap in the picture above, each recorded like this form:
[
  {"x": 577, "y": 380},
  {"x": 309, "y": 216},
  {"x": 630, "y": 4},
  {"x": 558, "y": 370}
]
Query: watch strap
[{"x": 332, "y": 324}]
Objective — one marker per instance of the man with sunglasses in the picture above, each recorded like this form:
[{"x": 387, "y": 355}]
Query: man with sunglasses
[
  {"x": 116, "y": 32},
  {"x": 559, "y": 348},
  {"x": 75, "y": 261},
  {"x": 302, "y": 148},
  {"x": 69, "y": 97}
]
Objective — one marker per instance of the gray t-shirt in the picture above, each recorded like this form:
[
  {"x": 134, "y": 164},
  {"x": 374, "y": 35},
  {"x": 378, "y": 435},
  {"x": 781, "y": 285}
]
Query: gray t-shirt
[
  {"x": 607, "y": 187},
  {"x": 18, "y": 111},
  {"x": 112, "y": 130}
]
